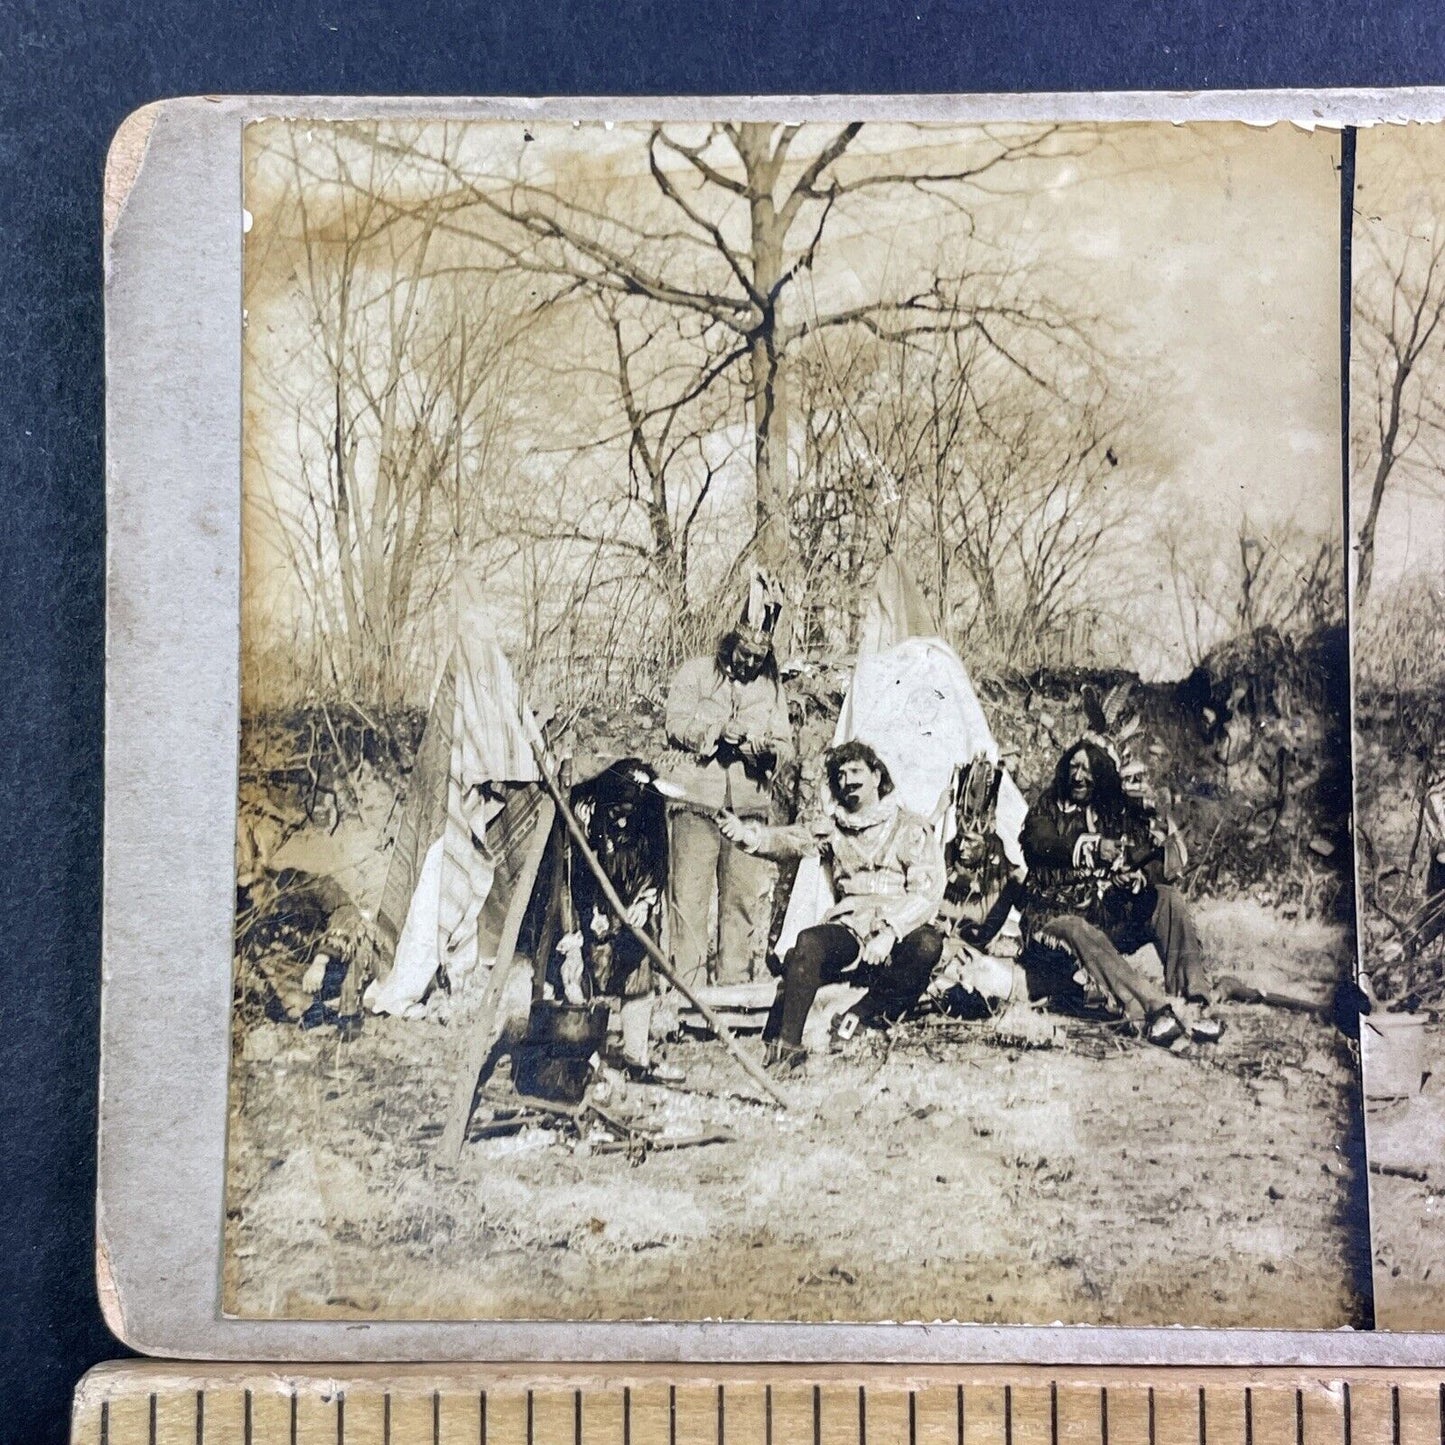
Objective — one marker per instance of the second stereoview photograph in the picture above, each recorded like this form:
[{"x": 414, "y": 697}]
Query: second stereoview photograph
[
  {"x": 795, "y": 748},
  {"x": 1397, "y": 426}
]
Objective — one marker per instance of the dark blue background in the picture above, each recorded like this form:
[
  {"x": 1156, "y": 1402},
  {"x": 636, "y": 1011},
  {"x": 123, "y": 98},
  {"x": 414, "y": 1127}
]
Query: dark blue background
[{"x": 68, "y": 74}]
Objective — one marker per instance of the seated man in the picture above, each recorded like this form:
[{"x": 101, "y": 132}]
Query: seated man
[
  {"x": 886, "y": 871},
  {"x": 304, "y": 946},
  {"x": 1095, "y": 891},
  {"x": 982, "y": 883}
]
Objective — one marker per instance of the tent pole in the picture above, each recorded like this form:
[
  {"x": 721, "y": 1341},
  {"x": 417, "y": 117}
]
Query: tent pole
[
  {"x": 659, "y": 958},
  {"x": 476, "y": 1046},
  {"x": 477, "y": 1043}
]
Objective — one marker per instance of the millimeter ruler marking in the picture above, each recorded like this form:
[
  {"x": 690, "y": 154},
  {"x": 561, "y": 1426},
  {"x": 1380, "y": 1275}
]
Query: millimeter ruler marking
[{"x": 153, "y": 1403}]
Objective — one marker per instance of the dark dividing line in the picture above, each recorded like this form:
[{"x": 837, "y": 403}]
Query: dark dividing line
[
  {"x": 913, "y": 1417},
  {"x": 245, "y": 1418},
  {"x": 721, "y": 1424},
  {"x": 1395, "y": 1413},
  {"x": 1349, "y": 1423},
  {"x": 768, "y": 1415},
  {"x": 960, "y": 1417},
  {"x": 1104, "y": 1415},
  {"x": 1054, "y": 1412},
  {"x": 1299, "y": 1417},
  {"x": 671, "y": 1416},
  {"x": 154, "y": 1430},
  {"x": 576, "y": 1417},
  {"x": 1152, "y": 1423},
  {"x": 1248, "y": 1416},
  {"x": 1347, "y": 321},
  {"x": 436, "y": 1417},
  {"x": 862, "y": 1417},
  {"x": 386, "y": 1418},
  {"x": 200, "y": 1417},
  {"x": 105, "y": 1421},
  {"x": 482, "y": 1424},
  {"x": 1008, "y": 1415},
  {"x": 341, "y": 1417},
  {"x": 817, "y": 1416},
  {"x": 294, "y": 1429},
  {"x": 1441, "y": 1413},
  {"x": 627, "y": 1418},
  {"x": 529, "y": 1416},
  {"x": 1204, "y": 1419}
]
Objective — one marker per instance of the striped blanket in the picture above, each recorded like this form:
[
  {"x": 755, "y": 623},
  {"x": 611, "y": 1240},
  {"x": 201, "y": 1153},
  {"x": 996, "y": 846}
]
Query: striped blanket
[{"x": 470, "y": 813}]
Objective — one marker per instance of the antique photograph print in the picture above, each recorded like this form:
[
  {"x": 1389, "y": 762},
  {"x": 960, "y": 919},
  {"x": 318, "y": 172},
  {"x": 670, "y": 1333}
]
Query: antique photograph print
[
  {"x": 794, "y": 755},
  {"x": 1397, "y": 495}
]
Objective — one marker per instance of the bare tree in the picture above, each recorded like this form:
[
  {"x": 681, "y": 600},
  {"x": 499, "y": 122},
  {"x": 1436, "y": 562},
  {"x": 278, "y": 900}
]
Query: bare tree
[
  {"x": 739, "y": 217},
  {"x": 947, "y": 409},
  {"x": 631, "y": 492},
  {"x": 675, "y": 393},
  {"x": 1281, "y": 575},
  {"x": 999, "y": 484},
  {"x": 395, "y": 411},
  {"x": 1399, "y": 346}
]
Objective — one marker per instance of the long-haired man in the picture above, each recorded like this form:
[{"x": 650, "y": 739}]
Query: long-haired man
[{"x": 1095, "y": 892}]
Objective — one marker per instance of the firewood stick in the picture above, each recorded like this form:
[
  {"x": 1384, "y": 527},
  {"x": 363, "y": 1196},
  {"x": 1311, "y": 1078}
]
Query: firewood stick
[
  {"x": 685, "y": 1141},
  {"x": 1399, "y": 1171},
  {"x": 1233, "y": 990},
  {"x": 659, "y": 958}
]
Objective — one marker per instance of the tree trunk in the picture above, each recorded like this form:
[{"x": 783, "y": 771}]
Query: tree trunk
[
  {"x": 770, "y": 413},
  {"x": 341, "y": 520},
  {"x": 1365, "y": 568},
  {"x": 770, "y": 456},
  {"x": 1390, "y": 434}
]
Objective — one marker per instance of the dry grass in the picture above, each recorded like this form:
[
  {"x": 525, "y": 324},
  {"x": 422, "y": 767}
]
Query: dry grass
[{"x": 940, "y": 1176}]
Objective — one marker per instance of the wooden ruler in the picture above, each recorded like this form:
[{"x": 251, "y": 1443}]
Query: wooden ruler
[{"x": 152, "y": 1403}]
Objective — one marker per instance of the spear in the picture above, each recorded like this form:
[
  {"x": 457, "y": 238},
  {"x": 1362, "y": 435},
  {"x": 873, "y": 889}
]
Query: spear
[{"x": 658, "y": 957}]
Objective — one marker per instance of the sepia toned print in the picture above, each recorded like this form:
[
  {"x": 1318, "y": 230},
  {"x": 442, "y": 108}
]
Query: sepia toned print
[
  {"x": 794, "y": 754},
  {"x": 1397, "y": 427}
]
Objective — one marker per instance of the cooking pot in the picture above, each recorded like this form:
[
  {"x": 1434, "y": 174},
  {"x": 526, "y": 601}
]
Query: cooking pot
[{"x": 568, "y": 1028}]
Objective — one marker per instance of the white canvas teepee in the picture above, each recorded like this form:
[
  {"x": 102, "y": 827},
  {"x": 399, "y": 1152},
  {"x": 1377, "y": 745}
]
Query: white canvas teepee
[
  {"x": 912, "y": 701},
  {"x": 463, "y": 849}
]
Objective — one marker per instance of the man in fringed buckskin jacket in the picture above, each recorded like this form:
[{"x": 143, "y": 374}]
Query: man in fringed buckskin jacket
[{"x": 887, "y": 874}]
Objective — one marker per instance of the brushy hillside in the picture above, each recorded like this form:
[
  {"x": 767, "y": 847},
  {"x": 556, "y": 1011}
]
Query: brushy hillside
[
  {"x": 1250, "y": 752},
  {"x": 1397, "y": 760}
]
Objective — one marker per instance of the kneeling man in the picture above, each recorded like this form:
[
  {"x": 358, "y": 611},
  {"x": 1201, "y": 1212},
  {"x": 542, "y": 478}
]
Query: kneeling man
[{"x": 886, "y": 870}]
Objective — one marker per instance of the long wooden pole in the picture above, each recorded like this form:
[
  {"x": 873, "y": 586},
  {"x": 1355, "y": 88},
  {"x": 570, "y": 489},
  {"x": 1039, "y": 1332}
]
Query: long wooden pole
[
  {"x": 659, "y": 958},
  {"x": 477, "y": 1043}
]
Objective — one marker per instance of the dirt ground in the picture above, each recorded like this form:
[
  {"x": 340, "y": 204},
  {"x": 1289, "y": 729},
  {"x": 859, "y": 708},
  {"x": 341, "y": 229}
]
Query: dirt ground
[
  {"x": 940, "y": 1174},
  {"x": 1409, "y": 1214}
]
